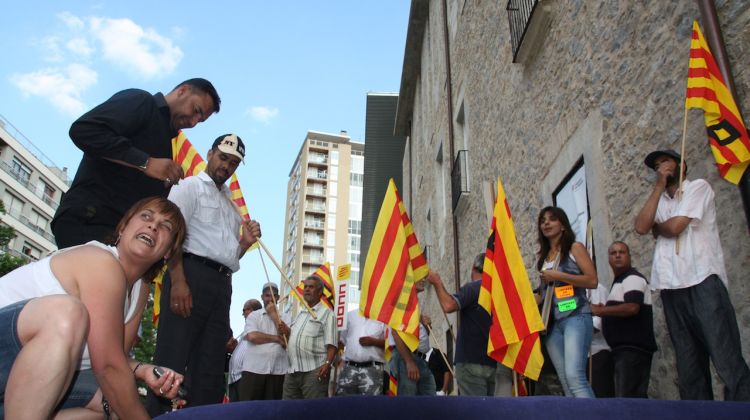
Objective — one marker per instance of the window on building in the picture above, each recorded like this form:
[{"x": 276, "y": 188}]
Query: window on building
[
  {"x": 356, "y": 180},
  {"x": 334, "y": 157},
  {"x": 355, "y": 227},
  {"x": 38, "y": 220},
  {"x": 331, "y": 238},
  {"x": 31, "y": 251},
  {"x": 330, "y": 254},
  {"x": 571, "y": 196},
  {"x": 20, "y": 171},
  {"x": 13, "y": 204},
  {"x": 334, "y": 173},
  {"x": 333, "y": 188},
  {"x": 358, "y": 163}
]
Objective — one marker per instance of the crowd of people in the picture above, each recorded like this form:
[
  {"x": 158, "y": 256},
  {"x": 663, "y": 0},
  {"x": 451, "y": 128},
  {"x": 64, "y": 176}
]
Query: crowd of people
[{"x": 72, "y": 317}]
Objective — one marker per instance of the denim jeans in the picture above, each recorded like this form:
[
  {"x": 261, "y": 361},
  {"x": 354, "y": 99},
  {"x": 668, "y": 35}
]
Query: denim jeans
[
  {"x": 426, "y": 383},
  {"x": 702, "y": 324},
  {"x": 568, "y": 344}
]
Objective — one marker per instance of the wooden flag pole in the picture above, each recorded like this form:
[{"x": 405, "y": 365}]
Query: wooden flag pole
[
  {"x": 679, "y": 168},
  {"x": 288, "y": 282},
  {"x": 515, "y": 383},
  {"x": 278, "y": 267},
  {"x": 437, "y": 345}
]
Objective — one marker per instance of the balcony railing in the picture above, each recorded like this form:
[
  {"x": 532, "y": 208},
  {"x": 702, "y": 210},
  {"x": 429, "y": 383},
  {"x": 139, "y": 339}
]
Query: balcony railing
[
  {"x": 25, "y": 220},
  {"x": 317, "y": 158},
  {"x": 317, "y": 175},
  {"x": 320, "y": 208},
  {"x": 519, "y": 17},
  {"x": 13, "y": 252},
  {"x": 24, "y": 180},
  {"x": 317, "y": 191},
  {"x": 315, "y": 224},
  {"x": 460, "y": 177}
]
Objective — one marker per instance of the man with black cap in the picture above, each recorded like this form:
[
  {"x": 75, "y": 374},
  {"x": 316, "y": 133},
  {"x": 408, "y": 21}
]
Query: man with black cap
[
  {"x": 197, "y": 289},
  {"x": 265, "y": 362},
  {"x": 688, "y": 269}
]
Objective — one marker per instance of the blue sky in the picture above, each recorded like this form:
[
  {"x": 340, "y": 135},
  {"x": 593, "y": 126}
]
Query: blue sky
[{"x": 281, "y": 68}]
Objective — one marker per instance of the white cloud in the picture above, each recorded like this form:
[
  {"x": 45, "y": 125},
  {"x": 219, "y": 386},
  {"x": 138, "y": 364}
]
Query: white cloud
[
  {"x": 72, "y": 21},
  {"x": 61, "y": 87},
  {"x": 263, "y": 114},
  {"x": 51, "y": 47},
  {"x": 80, "y": 46},
  {"x": 142, "y": 51}
]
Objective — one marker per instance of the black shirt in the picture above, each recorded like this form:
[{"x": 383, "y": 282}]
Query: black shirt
[
  {"x": 437, "y": 367},
  {"x": 131, "y": 126}
]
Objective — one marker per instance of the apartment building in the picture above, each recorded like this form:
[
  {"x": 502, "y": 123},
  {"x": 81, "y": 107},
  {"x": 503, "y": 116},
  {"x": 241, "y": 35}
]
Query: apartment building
[
  {"x": 32, "y": 187},
  {"x": 323, "y": 221}
]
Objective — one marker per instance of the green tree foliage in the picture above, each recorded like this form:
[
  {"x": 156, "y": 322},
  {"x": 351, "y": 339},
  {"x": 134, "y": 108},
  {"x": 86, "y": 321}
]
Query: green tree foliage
[
  {"x": 144, "y": 349},
  {"x": 8, "y": 262}
]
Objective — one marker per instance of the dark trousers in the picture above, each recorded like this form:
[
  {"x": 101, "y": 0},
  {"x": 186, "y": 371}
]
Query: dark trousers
[
  {"x": 602, "y": 374},
  {"x": 195, "y": 346},
  {"x": 71, "y": 230},
  {"x": 254, "y": 386},
  {"x": 702, "y": 324},
  {"x": 632, "y": 372}
]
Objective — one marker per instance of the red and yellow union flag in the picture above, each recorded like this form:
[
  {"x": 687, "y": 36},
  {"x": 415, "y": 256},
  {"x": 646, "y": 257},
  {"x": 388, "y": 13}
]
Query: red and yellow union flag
[
  {"x": 506, "y": 295},
  {"x": 395, "y": 262},
  {"x": 706, "y": 90}
]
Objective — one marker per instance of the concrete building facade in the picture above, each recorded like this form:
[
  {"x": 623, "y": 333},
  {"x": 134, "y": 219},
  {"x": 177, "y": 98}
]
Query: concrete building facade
[
  {"x": 31, "y": 190},
  {"x": 567, "y": 117},
  {"x": 324, "y": 207}
]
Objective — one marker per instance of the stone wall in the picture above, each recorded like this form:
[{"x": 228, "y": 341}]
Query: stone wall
[{"x": 606, "y": 81}]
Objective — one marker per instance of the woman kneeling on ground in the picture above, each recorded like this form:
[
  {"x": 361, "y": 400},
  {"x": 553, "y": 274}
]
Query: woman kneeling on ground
[{"x": 67, "y": 322}]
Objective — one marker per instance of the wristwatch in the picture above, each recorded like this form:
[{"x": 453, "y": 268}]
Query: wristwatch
[{"x": 144, "y": 165}]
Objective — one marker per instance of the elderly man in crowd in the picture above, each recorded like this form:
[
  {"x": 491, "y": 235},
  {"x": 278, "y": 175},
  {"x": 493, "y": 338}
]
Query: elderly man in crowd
[
  {"x": 312, "y": 346},
  {"x": 265, "y": 362}
]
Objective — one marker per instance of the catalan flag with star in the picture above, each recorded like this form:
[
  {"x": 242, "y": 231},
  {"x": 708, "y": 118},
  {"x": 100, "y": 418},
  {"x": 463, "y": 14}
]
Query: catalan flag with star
[
  {"x": 706, "y": 90},
  {"x": 506, "y": 295},
  {"x": 185, "y": 154},
  {"x": 395, "y": 262}
]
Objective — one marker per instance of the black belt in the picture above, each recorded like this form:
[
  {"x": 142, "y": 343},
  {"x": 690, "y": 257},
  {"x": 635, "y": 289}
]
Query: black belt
[
  {"x": 363, "y": 364},
  {"x": 221, "y": 268},
  {"x": 420, "y": 354}
]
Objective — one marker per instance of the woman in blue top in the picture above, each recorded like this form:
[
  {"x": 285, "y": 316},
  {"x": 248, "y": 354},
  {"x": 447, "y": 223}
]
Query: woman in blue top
[{"x": 565, "y": 266}]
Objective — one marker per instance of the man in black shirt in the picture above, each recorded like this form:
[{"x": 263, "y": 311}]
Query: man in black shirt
[
  {"x": 627, "y": 324},
  {"x": 127, "y": 156}
]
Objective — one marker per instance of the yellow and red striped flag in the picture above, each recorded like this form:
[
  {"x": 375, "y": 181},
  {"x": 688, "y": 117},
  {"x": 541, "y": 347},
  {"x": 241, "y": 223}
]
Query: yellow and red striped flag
[
  {"x": 506, "y": 294},
  {"x": 392, "y": 386},
  {"x": 395, "y": 262},
  {"x": 187, "y": 156},
  {"x": 324, "y": 272},
  {"x": 706, "y": 90}
]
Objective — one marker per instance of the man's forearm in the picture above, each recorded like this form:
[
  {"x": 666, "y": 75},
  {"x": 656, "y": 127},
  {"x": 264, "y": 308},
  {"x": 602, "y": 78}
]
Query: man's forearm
[
  {"x": 645, "y": 219},
  {"x": 257, "y": 337}
]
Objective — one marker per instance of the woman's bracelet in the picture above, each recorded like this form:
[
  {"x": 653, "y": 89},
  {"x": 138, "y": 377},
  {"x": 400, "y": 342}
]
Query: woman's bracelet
[{"x": 136, "y": 367}]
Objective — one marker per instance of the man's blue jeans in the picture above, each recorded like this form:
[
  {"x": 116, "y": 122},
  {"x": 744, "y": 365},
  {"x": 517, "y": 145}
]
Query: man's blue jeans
[
  {"x": 426, "y": 383},
  {"x": 702, "y": 324},
  {"x": 568, "y": 344}
]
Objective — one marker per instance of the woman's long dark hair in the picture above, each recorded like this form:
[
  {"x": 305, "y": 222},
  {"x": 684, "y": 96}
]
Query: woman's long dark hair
[{"x": 566, "y": 241}]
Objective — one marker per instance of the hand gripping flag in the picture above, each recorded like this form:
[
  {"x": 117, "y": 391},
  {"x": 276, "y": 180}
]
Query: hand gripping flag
[
  {"x": 192, "y": 164},
  {"x": 506, "y": 294},
  {"x": 395, "y": 262},
  {"x": 706, "y": 89},
  {"x": 324, "y": 272}
]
